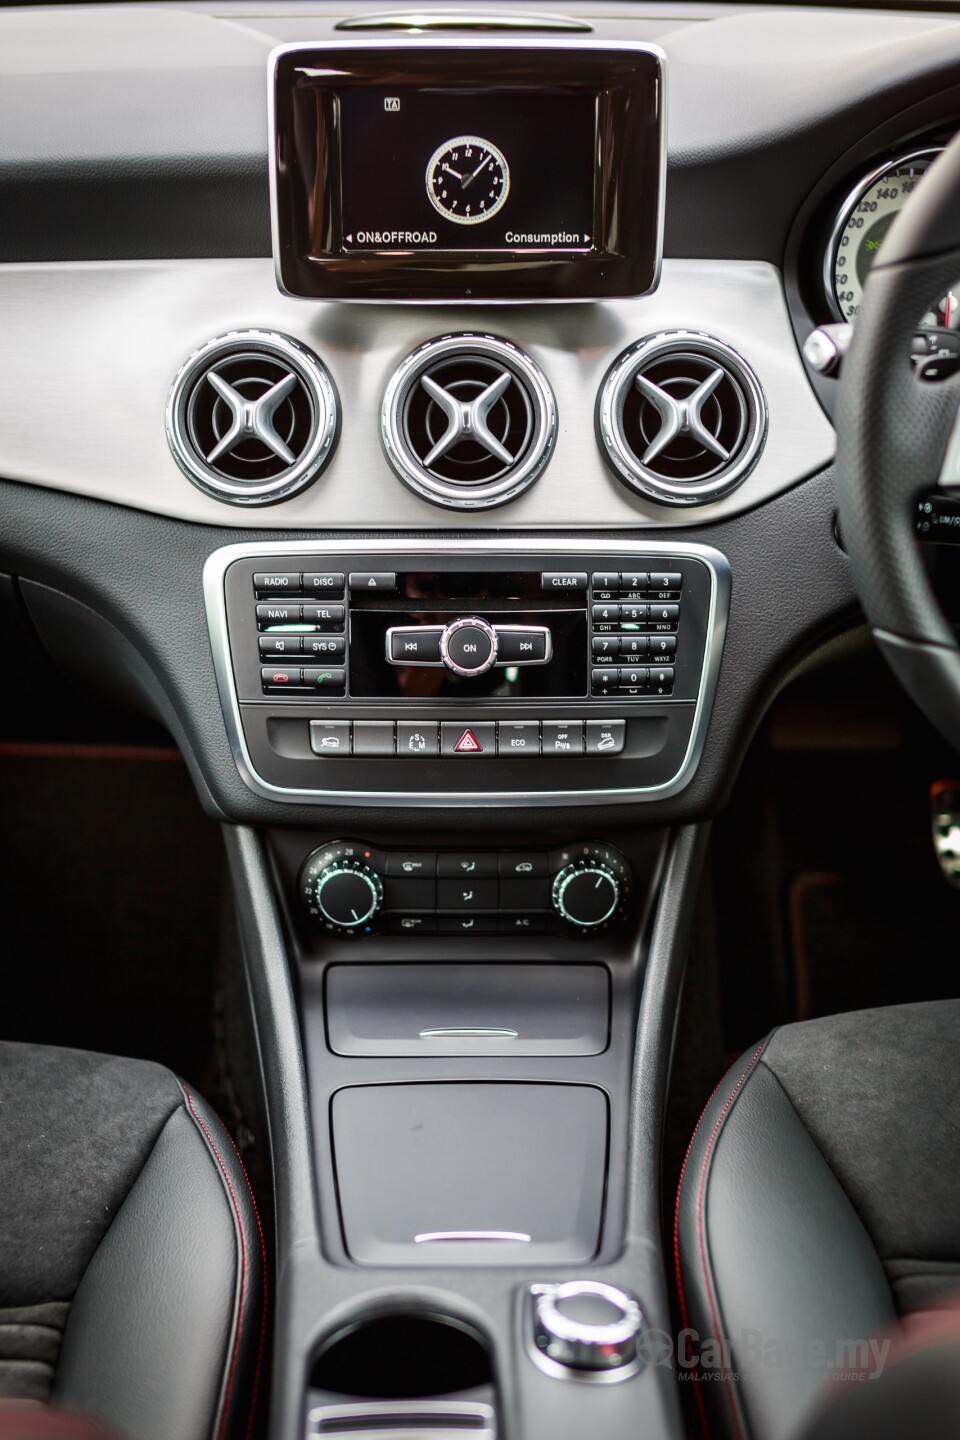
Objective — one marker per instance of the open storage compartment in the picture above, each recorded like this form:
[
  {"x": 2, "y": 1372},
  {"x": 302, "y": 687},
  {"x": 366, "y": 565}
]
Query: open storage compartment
[{"x": 470, "y": 1173}]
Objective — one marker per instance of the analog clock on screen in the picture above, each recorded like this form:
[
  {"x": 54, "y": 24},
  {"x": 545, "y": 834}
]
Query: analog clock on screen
[{"x": 468, "y": 179}]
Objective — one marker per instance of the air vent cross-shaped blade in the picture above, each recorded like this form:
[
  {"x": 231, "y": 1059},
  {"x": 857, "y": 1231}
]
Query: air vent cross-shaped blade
[
  {"x": 252, "y": 419},
  {"x": 468, "y": 419},
  {"x": 681, "y": 417}
]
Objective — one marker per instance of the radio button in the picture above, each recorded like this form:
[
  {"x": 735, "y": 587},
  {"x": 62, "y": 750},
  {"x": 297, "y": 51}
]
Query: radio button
[
  {"x": 323, "y": 614},
  {"x": 605, "y": 583},
  {"x": 316, "y": 582},
  {"x": 634, "y": 580},
  {"x": 280, "y": 645},
  {"x": 373, "y": 737},
  {"x": 372, "y": 582},
  {"x": 519, "y": 738},
  {"x": 560, "y": 738},
  {"x": 666, "y": 580},
  {"x": 320, "y": 678},
  {"x": 522, "y": 645},
  {"x": 466, "y": 741},
  {"x": 330, "y": 737},
  {"x": 281, "y": 677},
  {"x": 418, "y": 646},
  {"x": 633, "y": 679},
  {"x": 566, "y": 580},
  {"x": 417, "y": 737},
  {"x": 325, "y": 647},
  {"x": 606, "y": 614},
  {"x": 468, "y": 865},
  {"x": 634, "y": 614},
  {"x": 278, "y": 614},
  {"x": 281, "y": 581},
  {"x": 606, "y": 737}
]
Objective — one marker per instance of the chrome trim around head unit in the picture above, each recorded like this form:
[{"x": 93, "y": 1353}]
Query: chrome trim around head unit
[{"x": 214, "y": 572}]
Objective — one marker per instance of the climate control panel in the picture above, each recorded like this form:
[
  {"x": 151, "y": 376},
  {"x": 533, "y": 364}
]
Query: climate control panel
[{"x": 352, "y": 889}]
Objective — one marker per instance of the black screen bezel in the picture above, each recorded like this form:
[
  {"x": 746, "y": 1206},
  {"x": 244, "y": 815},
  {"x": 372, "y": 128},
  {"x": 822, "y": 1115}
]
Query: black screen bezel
[{"x": 628, "y": 81}]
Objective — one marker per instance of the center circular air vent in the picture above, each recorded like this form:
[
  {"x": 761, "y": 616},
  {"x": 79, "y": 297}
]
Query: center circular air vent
[
  {"x": 682, "y": 418},
  {"x": 252, "y": 417},
  {"x": 469, "y": 421}
]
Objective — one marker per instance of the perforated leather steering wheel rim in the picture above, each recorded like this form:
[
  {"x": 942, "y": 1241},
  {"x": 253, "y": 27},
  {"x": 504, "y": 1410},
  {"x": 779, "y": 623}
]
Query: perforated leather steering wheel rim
[{"x": 893, "y": 431}]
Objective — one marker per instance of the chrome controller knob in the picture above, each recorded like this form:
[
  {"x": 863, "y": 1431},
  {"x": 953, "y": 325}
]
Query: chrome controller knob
[
  {"x": 587, "y": 893},
  {"x": 587, "y": 1327},
  {"x": 468, "y": 647}
]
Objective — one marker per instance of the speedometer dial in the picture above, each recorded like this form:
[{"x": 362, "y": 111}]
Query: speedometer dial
[{"x": 861, "y": 226}]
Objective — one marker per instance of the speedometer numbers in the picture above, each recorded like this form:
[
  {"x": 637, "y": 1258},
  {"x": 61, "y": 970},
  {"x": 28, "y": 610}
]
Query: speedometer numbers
[
  {"x": 860, "y": 230},
  {"x": 468, "y": 179}
]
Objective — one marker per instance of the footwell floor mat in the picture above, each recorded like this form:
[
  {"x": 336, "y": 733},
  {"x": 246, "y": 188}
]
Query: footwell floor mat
[{"x": 111, "y": 879}]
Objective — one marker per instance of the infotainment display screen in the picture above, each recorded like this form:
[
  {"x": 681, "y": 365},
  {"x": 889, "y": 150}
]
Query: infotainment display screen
[{"x": 434, "y": 170}]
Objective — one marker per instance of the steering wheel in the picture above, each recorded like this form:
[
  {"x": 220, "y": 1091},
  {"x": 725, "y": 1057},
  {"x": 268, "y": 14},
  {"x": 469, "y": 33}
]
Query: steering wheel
[{"x": 899, "y": 437}]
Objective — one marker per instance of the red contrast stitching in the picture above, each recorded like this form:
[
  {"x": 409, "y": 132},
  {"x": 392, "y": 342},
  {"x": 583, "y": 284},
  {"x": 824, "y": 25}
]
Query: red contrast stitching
[
  {"x": 243, "y": 1266},
  {"x": 701, "y": 1241},
  {"x": 263, "y": 1317}
]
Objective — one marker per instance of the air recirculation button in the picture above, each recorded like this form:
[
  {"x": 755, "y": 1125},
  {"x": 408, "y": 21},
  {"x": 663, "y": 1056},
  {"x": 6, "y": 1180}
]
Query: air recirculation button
[
  {"x": 682, "y": 418},
  {"x": 252, "y": 417}
]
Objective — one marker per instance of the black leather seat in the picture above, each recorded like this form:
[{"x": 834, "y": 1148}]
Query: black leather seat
[
  {"x": 819, "y": 1204},
  {"x": 131, "y": 1258}
]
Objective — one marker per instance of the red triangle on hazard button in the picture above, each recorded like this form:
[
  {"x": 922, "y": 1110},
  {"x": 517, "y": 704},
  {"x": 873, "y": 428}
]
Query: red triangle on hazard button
[{"x": 467, "y": 743}]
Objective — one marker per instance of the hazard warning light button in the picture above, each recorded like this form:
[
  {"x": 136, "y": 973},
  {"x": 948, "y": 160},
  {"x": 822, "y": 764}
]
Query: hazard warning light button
[{"x": 468, "y": 741}]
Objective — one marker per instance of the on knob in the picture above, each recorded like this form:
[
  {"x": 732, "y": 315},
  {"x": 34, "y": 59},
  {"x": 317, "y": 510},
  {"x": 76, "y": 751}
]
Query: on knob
[
  {"x": 468, "y": 646},
  {"x": 586, "y": 1327},
  {"x": 587, "y": 893},
  {"x": 348, "y": 895}
]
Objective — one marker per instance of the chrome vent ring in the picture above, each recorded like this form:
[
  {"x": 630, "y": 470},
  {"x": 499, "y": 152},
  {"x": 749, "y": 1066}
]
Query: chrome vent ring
[
  {"x": 252, "y": 417},
  {"x": 469, "y": 421},
  {"x": 682, "y": 418}
]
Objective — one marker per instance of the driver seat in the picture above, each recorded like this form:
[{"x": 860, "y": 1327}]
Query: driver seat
[{"x": 818, "y": 1207}]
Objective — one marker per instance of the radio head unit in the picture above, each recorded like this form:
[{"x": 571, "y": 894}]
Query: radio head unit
[
  {"x": 448, "y": 673},
  {"x": 493, "y": 170}
]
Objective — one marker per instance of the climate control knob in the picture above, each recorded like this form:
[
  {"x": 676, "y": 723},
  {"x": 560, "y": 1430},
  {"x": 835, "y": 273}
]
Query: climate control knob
[
  {"x": 586, "y": 893},
  {"x": 341, "y": 889}
]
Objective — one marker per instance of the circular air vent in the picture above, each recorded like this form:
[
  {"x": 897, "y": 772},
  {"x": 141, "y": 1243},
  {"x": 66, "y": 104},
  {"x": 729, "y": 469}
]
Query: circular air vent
[
  {"x": 682, "y": 418},
  {"x": 252, "y": 417},
  {"x": 469, "y": 421}
]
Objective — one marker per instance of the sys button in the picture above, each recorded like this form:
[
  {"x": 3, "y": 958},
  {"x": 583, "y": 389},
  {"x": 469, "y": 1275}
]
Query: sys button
[{"x": 569, "y": 581}]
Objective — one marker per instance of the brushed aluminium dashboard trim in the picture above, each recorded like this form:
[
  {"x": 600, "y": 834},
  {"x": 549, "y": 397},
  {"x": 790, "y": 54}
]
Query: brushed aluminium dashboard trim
[
  {"x": 97, "y": 345},
  {"x": 461, "y": 42},
  {"x": 214, "y": 572}
]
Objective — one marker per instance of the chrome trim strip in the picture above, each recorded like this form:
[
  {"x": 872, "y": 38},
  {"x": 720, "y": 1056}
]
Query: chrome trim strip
[
  {"x": 515, "y": 1237},
  {"x": 469, "y": 1032},
  {"x": 219, "y": 561},
  {"x": 462, "y": 42}
]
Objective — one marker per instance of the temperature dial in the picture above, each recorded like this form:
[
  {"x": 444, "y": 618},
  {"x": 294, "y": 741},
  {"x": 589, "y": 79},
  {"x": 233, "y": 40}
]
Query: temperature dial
[
  {"x": 586, "y": 893},
  {"x": 341, "y": 889}
]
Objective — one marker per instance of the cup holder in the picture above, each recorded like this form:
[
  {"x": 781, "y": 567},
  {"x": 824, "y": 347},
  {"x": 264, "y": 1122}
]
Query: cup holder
[{"x": 402, "y": 1357}]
